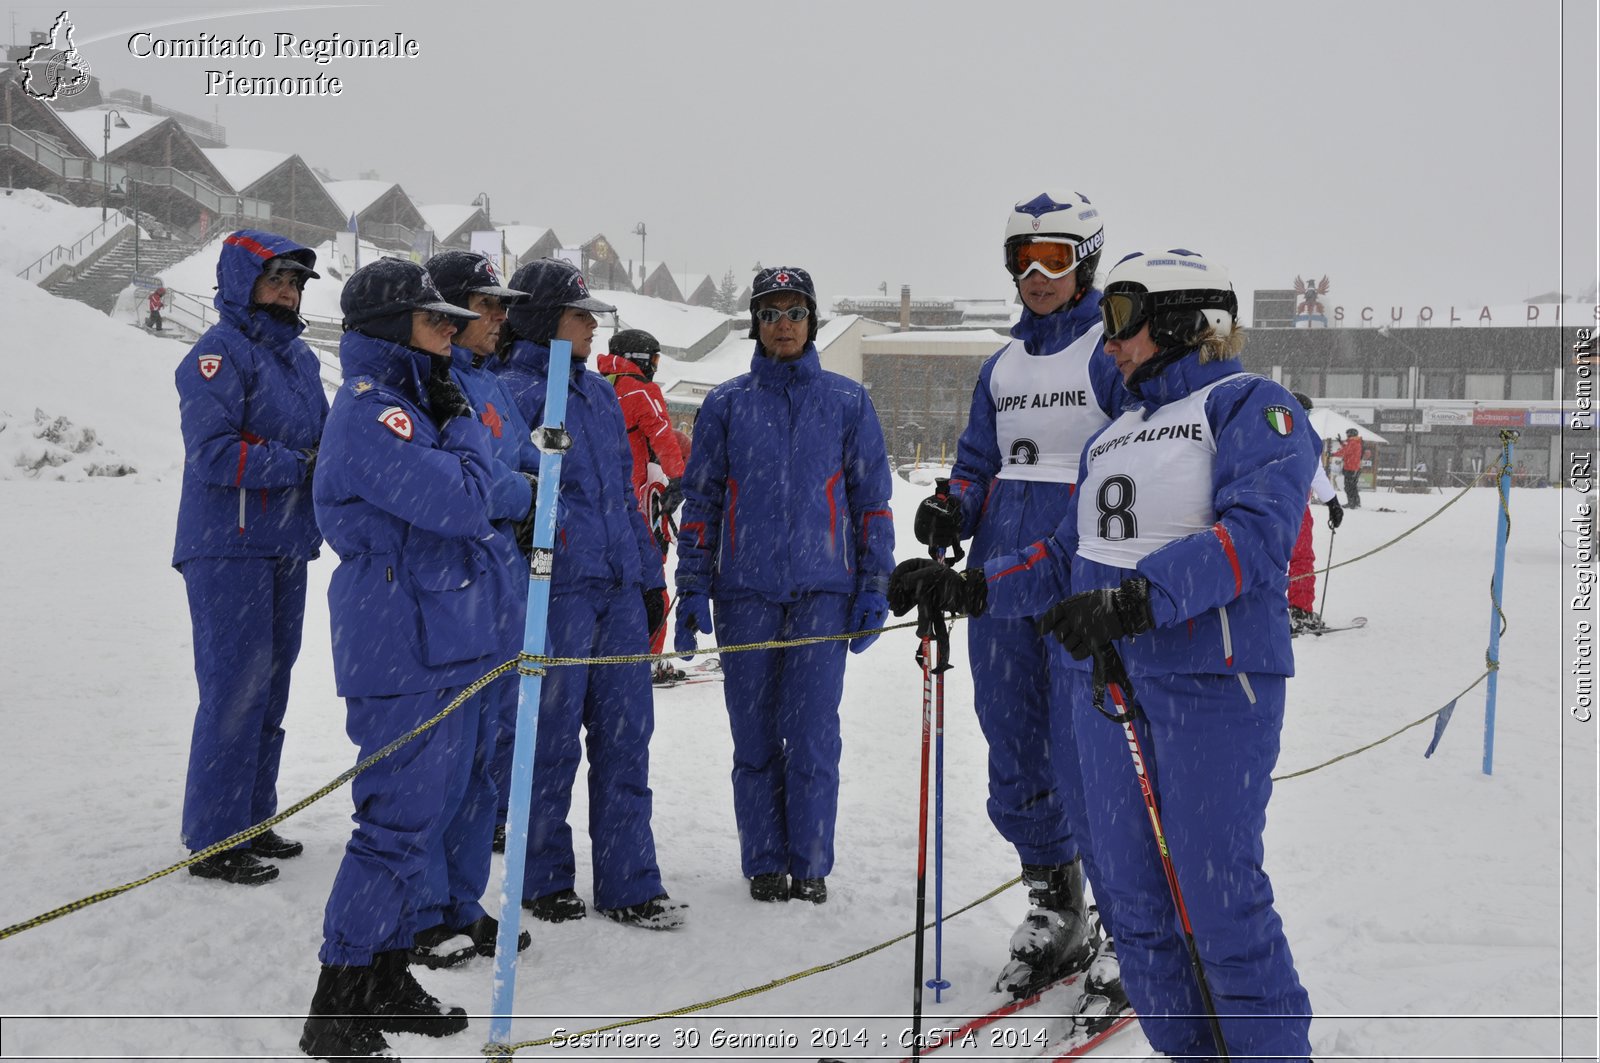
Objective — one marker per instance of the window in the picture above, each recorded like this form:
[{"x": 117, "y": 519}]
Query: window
[
  {"x": 1439, "y": 384},
  {"x": 1491, "y": 386},
  {"x": 1386, "y": 385},
  {"x": 1531, "y": 386},
  {"x": 1306, "y": 381},
  {"x": 1344, "y": 386}
]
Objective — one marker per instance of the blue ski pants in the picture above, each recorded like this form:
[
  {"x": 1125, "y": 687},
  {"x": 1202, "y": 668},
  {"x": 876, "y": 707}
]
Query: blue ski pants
[
  {"x": 783, "y": 709},
  {"x": 1022, "y": 689},
  {"x": 407, "y": 806},
  {"x": 247, "y": 614},
  {"x": 1210, "y": 743},
  {"x": 614, "y": 706}
]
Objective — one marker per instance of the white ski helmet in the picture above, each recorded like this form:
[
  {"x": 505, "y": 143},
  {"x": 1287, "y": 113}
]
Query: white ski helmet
[
  {"x": 1177, "y": 292},
  {"x": 1062, "y": 218}
]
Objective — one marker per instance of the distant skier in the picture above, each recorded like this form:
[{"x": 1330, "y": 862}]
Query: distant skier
[
  {"x": 1303, "y": 616},
  {"x": 631, "y": 368},
  {"x": 152, "y": 321},
  {"x": 1350, "y": 454}
]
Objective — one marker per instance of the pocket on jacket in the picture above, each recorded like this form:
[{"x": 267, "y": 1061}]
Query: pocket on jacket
[{"x": 454, "y": 601}]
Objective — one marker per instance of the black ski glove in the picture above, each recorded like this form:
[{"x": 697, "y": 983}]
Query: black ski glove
[
  {"x": 938, "y": 520},
  {"x": 523, "y": 528},
  {"x": 1335, "y": 514},
  {"x": 445, "y": 399},
  {"x": 655, "y": 608},
  {"x": 310, "y": 454},
  {"x": 672, "y": 495},
  {"x": 934, "y": 586},
  {"x": 1085, "y": 622}
]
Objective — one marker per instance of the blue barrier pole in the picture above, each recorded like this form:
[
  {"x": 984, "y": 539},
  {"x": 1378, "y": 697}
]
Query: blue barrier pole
[
  {"x": 548, "y": 438},
  {"x": 1502, "y": 531}
]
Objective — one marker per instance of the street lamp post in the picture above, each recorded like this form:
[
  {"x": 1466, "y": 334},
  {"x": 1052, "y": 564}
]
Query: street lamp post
[
  {"x": 482, "y": 200},
  {"x": 1413, "y": 384},
  {"x": 638, "y": 230},
  {"x": 105, "y": 164}
]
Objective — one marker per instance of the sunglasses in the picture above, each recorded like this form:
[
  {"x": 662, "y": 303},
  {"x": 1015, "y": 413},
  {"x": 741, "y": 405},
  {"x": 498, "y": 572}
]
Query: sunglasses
[
  {"x": 438, "y": 319},
  {"x": 770, "y": 316}
]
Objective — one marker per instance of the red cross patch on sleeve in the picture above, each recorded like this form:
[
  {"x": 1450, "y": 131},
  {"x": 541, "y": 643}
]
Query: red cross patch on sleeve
[
  {"x": 397, "y": 421},
  {"x": 209, "y": 364}
]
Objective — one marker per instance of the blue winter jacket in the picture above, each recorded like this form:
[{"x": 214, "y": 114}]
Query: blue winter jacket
[
  {"x": 601, "y": 537},
  {"x": 1004, "y": 516},
  {"x": 250, "y": 402},
  {"x": 510, "y": 441},
  {"x": 426, "y": 595},
  {"x": 1219, "y": 597},
  {"x": 787, "y": 487}
]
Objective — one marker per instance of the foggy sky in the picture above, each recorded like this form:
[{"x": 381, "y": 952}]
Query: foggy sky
[{"x": 1410, "y": 151}]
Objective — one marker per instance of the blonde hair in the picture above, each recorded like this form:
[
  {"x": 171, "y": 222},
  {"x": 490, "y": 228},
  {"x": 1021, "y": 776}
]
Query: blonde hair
[{"x": 1215, "y": 347}]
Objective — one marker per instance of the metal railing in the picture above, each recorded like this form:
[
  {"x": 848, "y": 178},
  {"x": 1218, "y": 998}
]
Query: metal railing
[
  {"x": 111, "y": 175},
  {"x": 59, "y": 256}
]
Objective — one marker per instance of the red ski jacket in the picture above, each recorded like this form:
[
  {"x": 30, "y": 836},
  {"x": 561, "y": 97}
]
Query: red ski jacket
[{"x": 644, "y": 409}]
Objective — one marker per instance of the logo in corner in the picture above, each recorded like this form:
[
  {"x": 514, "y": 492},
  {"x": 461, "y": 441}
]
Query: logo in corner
[
  {"x": 397, "y": 421},
  {"x": 1280, "y": 420},
  {"x": 209, "y": 364},
  {"x": 54, "y": 69}
]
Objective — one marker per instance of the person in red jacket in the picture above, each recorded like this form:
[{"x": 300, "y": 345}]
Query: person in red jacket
[
  {"x": 1350, "y": 454},
  {"x": 631, "y": 368},
  {"x": 153, "y": 320}
]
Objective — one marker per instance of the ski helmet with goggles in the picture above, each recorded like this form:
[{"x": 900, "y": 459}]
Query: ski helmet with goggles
[
  {"x": 638, "y": 347},
  {"x": 1177, "y": 293},
  {"x": 1054, "y": 233}
]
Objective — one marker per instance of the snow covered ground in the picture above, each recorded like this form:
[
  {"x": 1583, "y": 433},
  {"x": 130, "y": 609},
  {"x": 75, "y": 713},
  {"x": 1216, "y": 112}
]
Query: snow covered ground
[{"x": 1435, "y": 912}]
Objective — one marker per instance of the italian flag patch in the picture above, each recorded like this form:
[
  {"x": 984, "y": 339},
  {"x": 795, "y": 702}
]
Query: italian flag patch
[{"x": 1280, "y": 420}]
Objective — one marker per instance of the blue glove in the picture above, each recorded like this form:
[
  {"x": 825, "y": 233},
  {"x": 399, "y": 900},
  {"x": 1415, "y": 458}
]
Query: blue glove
[
  {"x": 868, "y": 613},
  {"x": 694, "y": 614}
]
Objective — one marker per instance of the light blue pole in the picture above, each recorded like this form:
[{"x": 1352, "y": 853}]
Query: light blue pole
[
  {"x": 1502, "y": 530},
  {"x": 548, "y": 438}
]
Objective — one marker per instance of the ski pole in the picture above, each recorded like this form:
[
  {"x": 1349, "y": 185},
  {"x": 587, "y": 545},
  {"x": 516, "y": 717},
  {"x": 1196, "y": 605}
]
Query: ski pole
[
  {"x": 925, "y": 656},
  {"x": 938, "y": 983},
  {"x": 1111, "y": 675},
  {"x": 553, "y": 443},
  {"x": 1326, "y": 576}
]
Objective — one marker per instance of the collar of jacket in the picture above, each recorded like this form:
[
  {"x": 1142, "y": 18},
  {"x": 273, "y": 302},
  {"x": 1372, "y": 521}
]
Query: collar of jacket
[
  {"x": 535, "y": 358},
  {"x": 1178, "y": 378},
  {"x": 259, "y": 326},
  {"x": 392, "y": 364},
  {"x": 1053, "y": 332},
  {"x": 616, "y": 365},
  {"x": 771, "y": 373}
]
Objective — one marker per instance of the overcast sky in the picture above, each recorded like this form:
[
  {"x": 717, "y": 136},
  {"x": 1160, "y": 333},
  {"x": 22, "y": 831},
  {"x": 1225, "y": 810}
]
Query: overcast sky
[{"x": 1410, "y": 150}]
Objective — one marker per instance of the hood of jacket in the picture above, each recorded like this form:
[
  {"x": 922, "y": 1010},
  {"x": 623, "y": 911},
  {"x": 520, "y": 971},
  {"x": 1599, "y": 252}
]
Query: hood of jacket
[
  {"x": 239, "y": 266},
  {"x": 1052, "y": 332},
  {"x": 617, "y": 365}
]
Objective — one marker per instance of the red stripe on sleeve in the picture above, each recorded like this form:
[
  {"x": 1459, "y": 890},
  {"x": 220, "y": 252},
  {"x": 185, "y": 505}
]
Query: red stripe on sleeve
[
  {"x": 1034, "y": 555},
  {"x": 1233, "y": 558}
]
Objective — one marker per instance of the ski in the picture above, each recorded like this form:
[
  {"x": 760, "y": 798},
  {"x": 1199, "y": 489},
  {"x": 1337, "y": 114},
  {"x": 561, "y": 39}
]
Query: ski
[
  {"x": 705, "y": 672},
  {"x": 1355, "y": 622},
  {"x": 1077, "y": 1046}
]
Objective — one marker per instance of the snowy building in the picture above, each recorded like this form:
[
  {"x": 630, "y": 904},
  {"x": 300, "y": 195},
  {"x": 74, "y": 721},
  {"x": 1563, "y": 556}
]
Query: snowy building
[
  {"x": 454, "y": 223},
  {"x": 302, "y": 209},
  {"x": 921, "y": 383},
  {"x": 383, "y": 211}
]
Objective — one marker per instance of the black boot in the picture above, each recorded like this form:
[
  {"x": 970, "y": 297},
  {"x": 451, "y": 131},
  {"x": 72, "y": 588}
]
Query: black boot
[
  {"x": 399, "y": 1004},
  {"x": 814, "y": 890},
  {"x": 769, "y": 887},
  {"x": 658, "y": 913},
  {"x": 485, "y": 934},
  {"x": 557, "y": 907},
  {"x": 274, "y": 846},
  {"x": 238, "y": 866},
  {"x": 339, "y": 1026}
]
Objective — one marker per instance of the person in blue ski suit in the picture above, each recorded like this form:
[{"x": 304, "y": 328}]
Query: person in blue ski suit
[
  {"x": 606, "y": 596},
  {"x": 422, "y": 604},
  {"x": 251, "y": 405},
  {"x": 453, "y": 925},
  {"x": 1036, "y": 400},
  {"x": 786, "y": 527},
  {"x": 1175, "y": 549}
]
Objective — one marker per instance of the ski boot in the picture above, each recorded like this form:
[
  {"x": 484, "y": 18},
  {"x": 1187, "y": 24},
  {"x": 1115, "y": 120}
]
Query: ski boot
[
  {"x": 238, "y": 866},
  {"x": 814, "y": 890},
  {"x": 658, "y": 913},
  {"x": 1055, "y": 938},
  {"x": 1103, "y": 998},
  {"x": 666, "y": 674},
  {"x": 485, "y": 933},
  {"x": 274, "y": 846},
  {"x": 1304, "y": 620},
  {"x": 340, "y": 1025},
  {"x": 770, "y": 887}
]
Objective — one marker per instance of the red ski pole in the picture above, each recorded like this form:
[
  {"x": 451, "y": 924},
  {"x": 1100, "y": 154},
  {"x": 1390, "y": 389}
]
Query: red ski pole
[{"x": 1111, "y": 675}]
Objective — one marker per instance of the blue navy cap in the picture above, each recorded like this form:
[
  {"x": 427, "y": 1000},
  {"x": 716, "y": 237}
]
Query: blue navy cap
[
  {"x": 392, "y": 286},
  {"x": 782, "y": 279}
]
